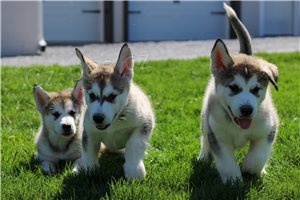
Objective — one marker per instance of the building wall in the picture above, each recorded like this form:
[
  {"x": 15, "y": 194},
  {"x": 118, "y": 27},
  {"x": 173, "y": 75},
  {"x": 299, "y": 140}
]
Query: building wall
[
  {"x": 118, "y": 20},
  {"x": 271, "y": 18},
  {"x": 20, "y": 27},
  {"x": 250, "y": 16},
  {"x": 296, "y": 18}
]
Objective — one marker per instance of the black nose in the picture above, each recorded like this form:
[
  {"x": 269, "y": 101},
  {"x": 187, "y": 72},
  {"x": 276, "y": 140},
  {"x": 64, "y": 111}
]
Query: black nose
[
  {"x": 66, "y": 128},
  {"x": 246, "y": 110},
  {"x": 98, "y": 118}
]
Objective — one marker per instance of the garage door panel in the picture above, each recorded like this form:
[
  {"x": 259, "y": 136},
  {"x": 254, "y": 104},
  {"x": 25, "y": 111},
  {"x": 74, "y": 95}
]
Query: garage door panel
[
  {"x": 180, "y": 21},
  {"x": 67, "y": 22},
  {"x": 282, "y": 22}
]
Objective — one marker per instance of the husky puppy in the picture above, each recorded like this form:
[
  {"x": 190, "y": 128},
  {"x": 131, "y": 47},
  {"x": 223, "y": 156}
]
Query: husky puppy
[
  {"x": 238, "y": 108},
  {"x": 59, "y": 136},
  {"x": 119, "y": 114}
]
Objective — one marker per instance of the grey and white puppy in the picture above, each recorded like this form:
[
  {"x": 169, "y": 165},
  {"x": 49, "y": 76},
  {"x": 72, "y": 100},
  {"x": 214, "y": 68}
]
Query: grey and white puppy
[
  {"x": 119, "y": 114},
  {"x": 60, "y": 133},
  {"x": 238, "y": 108}
]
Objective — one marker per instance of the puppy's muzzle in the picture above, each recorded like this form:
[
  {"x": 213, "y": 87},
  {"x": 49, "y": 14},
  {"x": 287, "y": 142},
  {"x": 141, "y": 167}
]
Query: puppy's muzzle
[
  {"x": 98, "y": 119},
  {"x": 245, "y": 120},
  {"x": 246, "y": 110},
  {"x": 67, "y": 129}
]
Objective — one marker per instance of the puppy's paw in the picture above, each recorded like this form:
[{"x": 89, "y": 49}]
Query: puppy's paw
[
  {"x": 206, "y": 158},
  {"x": 48, "y": 167},
  {"x": 231, "y": 176},
  {"x": 253, "y": 170},
  {"x": 136, "y": 171},
  {"x": 76, "y": 168},
  {"x": 81, "y": 166}
]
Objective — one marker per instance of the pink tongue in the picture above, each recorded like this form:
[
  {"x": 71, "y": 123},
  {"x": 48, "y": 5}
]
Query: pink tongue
[
  {"x": 100, "y": 126},
  {"x": 244, "y": 123}
]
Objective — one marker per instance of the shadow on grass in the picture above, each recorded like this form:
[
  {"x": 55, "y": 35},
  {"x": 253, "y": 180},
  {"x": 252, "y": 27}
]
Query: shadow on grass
[
  {"x": 206, "y": 184},
  {"x": 95, "y": 183},
  {"x": 34, "y": 165}
]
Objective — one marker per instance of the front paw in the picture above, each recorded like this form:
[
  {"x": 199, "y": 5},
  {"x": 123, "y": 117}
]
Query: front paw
[
  {"x": 79, "y": 165},
  {"x": 48, "y": 167},
  {"x": 134, "y": 170},
  {"x": 231, "y": 176},
  {"x": 253, "y": 171}
]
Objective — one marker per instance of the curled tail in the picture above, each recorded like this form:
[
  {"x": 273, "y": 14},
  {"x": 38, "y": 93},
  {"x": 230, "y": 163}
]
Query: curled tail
[{"x": 240, "y": 30}]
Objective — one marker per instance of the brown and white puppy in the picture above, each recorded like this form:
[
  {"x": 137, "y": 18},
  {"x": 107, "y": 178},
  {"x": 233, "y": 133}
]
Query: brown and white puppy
[
  {"x": 118, "y": 115},
  {"x": 238, "y": 108},
  {"x": 60, "y": 133}
]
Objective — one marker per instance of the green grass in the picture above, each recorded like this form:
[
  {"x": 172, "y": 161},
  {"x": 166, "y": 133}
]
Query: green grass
[{"x": 176, "y": 90}]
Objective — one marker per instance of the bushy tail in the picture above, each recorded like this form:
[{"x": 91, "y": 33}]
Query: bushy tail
[{"x": 240, "y": 30}]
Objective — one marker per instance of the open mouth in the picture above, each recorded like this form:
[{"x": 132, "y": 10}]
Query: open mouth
[
  {"x": 102, "y": 126},
  {"x": 242, "y": 122},
  {"x": 66, "y": 134}
]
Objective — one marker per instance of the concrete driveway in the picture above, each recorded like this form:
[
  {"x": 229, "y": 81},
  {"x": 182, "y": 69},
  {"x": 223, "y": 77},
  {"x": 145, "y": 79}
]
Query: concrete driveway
[{"x": 145, "y": 51}]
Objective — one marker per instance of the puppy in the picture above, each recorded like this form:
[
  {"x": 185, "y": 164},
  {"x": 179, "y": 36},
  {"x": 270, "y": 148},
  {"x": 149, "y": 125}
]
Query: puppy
[
  {"x": 238, "y": 108},
  {"x": 59, "y": 136},
  {"x": 119, "y": 114}
]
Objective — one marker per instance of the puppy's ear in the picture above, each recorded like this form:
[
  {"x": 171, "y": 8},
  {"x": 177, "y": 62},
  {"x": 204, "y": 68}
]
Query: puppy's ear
[
  {"x": 88, "y": 65},
  {"x": 77, "y": 92},
  {"x": 124, "y": 66},
  {"x": 272, "y": 73},
  {"x": 220, "y": 58},
  {"x": 41, "y": 97}
]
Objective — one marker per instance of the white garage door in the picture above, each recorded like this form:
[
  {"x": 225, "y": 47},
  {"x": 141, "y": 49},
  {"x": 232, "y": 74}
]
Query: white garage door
[
  {"x": 73, "y": 22},
  {"x": 278, "y": 18},
  {"x": 175, "y": 20}
]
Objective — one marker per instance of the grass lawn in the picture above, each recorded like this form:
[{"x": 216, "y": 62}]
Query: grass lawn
[{"x": 176, "y": 90}]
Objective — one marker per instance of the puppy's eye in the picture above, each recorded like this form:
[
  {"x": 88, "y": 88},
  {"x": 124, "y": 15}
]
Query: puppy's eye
[
  {"x": 255, "y": 90},
  {"x": 234, "y": 88},
  {"x": 111, "y": 97},
  {"x": 72, "y": 113},
  {"x": 56, "y": 115},
  {"x": 92, "y": 96}
]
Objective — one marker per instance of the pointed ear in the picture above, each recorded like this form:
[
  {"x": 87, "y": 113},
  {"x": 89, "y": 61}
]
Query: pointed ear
[
  {"x": 220, "y": 58},
  {"x": 124, "y": 66},
  {"x": 88, "y": 65},
  {"x": 77, "y": 92},
  {"x": 272, "y": 73},
  {"x": 41, "y": 97}
]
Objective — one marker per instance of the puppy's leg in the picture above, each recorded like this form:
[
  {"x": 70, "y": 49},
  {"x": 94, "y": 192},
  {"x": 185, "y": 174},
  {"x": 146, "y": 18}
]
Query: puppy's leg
[
  {"x": 90, "y": 150},
  {"x": 48, "y": 162},
  {"x": 134, "y": 154},
  {"x": 225, "y": 160},
  {"x": 205, "y": 154},
  {"x": 226, "y": 164},
  {"x": 258, "y": 155},
  {"x": 48, "y": 166}
]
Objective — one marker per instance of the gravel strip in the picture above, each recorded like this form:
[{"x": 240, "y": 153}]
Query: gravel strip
[{"x": 144, "y": 51}]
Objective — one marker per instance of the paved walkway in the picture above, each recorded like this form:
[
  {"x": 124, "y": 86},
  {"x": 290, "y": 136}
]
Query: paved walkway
[{"x": 65, "y": 55}]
